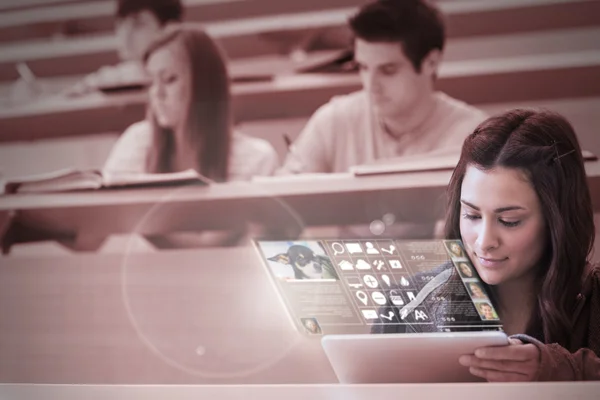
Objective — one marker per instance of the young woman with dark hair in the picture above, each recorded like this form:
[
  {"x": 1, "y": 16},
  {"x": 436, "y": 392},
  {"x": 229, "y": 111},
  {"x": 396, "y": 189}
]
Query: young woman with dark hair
[{"x": 520, "y": 202}]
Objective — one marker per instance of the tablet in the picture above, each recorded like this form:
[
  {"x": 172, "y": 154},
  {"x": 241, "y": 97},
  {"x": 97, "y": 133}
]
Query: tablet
[{"x": 406, "y": 358}]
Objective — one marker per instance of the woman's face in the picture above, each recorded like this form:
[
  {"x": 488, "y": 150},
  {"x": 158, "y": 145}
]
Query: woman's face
[
  {"x": 456, "y": 249},
  {"x": 501, "y": 225},
  {"x": 170, "y": 92},
  {"x": 466, "y": 270},
  {"x": 476, "y": 290},
  {"x": 310, "y": 325}
]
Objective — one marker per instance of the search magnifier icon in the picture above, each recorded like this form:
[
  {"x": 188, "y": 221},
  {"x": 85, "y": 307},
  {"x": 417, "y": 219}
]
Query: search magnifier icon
[{"x": 337, "y": 248}]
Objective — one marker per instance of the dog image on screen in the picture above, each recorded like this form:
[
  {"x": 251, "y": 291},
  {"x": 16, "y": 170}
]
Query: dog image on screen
[{"x": 306, "y": 264}]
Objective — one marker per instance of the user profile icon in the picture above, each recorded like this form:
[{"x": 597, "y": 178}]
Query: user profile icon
[
  {"x": 311, "y": 326},
  {"x": 486, "y": 311},
  {"x": 455, "y": 249}
]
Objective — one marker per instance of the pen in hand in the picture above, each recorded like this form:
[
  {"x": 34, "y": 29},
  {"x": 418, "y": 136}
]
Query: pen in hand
[
  {"x": 26, "y": 88},
  {"x": 287, "y": 140},
  {"x": 25, "y": 73},
  {"x": 290, "y": 159}
]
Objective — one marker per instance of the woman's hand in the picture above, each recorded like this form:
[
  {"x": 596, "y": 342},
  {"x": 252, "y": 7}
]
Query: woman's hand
[{"x": 512, "y": 363}]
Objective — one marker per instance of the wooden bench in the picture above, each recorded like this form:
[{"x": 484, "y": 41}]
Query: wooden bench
[
  {"x": 523, "y": 78},
  {"x": 72, "y": 18},
  {"x": 281, "y": 33}
]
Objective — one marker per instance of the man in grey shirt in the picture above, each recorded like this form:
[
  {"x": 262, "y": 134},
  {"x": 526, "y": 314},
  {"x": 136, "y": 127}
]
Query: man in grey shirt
[{"x": 398, "y": 48}]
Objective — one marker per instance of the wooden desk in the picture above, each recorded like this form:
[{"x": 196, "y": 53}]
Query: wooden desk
[
  {"x": 489, "y": 391},
  {"x": 140, "y": 319},
  {"x": 280, "y": 204},
  {"x": 11, "y": 5},
  {"x": 330, "y": 199},
  {"x": 532, "y": 77},
  {"x": 277, "y": 33}
]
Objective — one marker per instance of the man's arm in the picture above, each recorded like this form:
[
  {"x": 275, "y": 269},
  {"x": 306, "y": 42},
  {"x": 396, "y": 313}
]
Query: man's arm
[
  {"x": 312, "y": 151},
  {"x": 123, "y": 74}
]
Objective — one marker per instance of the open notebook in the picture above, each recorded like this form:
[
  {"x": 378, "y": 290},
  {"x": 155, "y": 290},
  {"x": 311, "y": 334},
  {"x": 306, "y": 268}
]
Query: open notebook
[
  {"x": 73, "y": 180},
  {"x": 380, "y": 285},
  {"x": 432, "y": 162}
]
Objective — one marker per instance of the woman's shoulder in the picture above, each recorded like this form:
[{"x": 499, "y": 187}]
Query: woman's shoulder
[
  {"x": 140, "y": 129},
  {"x": 131, "y": 148},
  {"x": 136, "y": 135}
]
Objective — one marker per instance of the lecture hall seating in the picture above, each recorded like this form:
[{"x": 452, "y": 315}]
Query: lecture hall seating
[{"x": 258, "y": 36}]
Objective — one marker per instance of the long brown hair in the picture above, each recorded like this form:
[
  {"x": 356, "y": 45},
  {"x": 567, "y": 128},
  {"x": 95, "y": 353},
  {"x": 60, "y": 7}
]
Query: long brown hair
[
  {"x": 208, "y": 127},
  {"x": 543, "y": 144}
]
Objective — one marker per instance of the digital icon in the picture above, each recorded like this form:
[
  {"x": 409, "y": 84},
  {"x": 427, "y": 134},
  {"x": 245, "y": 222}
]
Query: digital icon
[
  {"x": 379, "y": 298},
  {"x": 411, "y": 296},
  {"x": 370, "y": 281},
  {"x": 396, "y": 298},
  {"x": 420, "y": 315},
  {"x": 389, "y": 250},
  {"x": 395, "y": 264},
  {"x": 369, "y": 314},
  {"x": 362, "y": 296},
  {"x": 379, "y": 264},
  {"x": 387, "y": 280},
  {"x": 404, "y": 281},
  {"x": 362, "y": 264},
  {"x": 354, "y": 248},
  {"x": 354, "y": 282},
  {"x": 371, "y": 249},
  {"x": 345, "y": 265},
  {"x": 390, "y": 315},
  {"x": 337, "y": 248}
]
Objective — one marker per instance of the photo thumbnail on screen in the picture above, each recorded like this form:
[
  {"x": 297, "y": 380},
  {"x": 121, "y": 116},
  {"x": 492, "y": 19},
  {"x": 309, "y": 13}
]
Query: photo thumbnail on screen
[{"x": 378, "y": 286}]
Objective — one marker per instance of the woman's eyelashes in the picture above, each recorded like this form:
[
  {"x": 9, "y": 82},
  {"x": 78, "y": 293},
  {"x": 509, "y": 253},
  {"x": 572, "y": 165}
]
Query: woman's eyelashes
[
  {"x": 470, "y": 216},
  {"x": 508, "y": 224}
]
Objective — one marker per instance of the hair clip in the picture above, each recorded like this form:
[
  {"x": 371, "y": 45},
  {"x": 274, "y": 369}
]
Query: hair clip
[
  {"x": 561, "y": 156},
  {"x": 558, "y": 157}
]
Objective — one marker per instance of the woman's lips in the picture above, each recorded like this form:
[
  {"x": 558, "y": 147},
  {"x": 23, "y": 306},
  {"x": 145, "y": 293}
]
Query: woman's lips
[{"x": 491, "y": 262}]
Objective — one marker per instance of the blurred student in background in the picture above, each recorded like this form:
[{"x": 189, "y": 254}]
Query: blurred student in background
[
  {"x": 398, "y": 49},
  {"x": 189, "y": 116},
  {"x": 137, "y": 24}
]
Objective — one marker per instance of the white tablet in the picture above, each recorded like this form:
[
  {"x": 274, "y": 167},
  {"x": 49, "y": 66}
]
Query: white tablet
[{"x": 406, "y": 358}]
